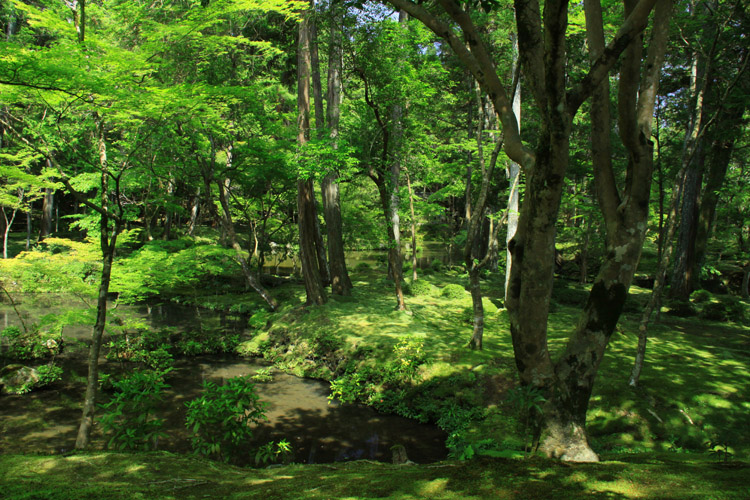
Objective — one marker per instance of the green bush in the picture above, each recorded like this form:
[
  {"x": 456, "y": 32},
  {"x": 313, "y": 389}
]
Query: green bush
[
  {"x": 35, "y": 344},
  {"x": 259, "y": 320},
  {"x": 129, "y": 415},
  {"x": 681, "y": 308},
  {"x": 700, "y": 296},
  {"x": 714, "y": 311},
  {"x": 729, "y": 308},
  {"x": 422, "y": 288},
  {"x": 436, "y": 265},
  {"x": 219, "y": 421},
  {"x": 453, "y": 291},
  {"x": 735, "y": 309}
]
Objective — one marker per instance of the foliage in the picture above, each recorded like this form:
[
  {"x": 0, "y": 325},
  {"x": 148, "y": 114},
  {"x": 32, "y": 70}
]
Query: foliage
[
  {"x": 128, "y": 417},
  {"x": 34, "y": 378},
  {"x": 681, "y": 308},
  {"x": 527, "y": 401},
  {"x": 220, "y": 420},
  {"x": 35, "y": 344},
  {"x": 56, "y": 265},
  {"x": 161, "y": 267},
  {"x": 453, "y": 291},
  {"x": 274, "y": 452},
  {"x": 423, "y": 288}
]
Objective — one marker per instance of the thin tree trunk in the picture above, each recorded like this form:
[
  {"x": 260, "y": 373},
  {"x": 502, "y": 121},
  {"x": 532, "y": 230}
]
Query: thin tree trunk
[
  {"x": 108, "y": 244},
  {"x": 48, "y": 204},
  {"x": 414, "y": 276},
  {"x": 194, "y": 211},
  {"x": 514, "y": 172},
  {"x": 228, "y": 224}
]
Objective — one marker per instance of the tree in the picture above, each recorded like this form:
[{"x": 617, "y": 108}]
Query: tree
[
  {"x": 568, "y": 381},
  {"x": 306, "y": 210}
]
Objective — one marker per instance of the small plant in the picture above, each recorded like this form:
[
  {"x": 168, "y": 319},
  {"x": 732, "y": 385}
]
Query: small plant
[
  {"x": 129, "y": 415},
  {"x": 273, "y": 452},
  {"x": 348, "y": 388},
  {"x": 220, "y": 420},
  {"x": 719, "y": 448},
  {"x": 527, "y": 401},
  {"x": 408, "y": 354},
  {"x": 262, "y": 375}
]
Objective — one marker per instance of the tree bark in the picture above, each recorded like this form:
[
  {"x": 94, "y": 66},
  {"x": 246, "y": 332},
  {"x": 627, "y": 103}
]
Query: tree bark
[
  {"x": 414, "y": 276},
  {"x": 305, "y": 194},
  {"x": 514, "y": 171},
  {"x": 48, "y": 210},
  {"x": 341, "y": 284}
]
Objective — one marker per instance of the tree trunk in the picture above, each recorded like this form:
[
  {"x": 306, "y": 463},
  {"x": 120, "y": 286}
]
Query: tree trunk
[
  {"x": 341, "y": 284},
  {"x": 194, "y": 211},
  {"x": 684, "y": 251},
  {"x": 48, "y": 206},
  {"x": 720, "y": 155},
  {"x": 414, "y": 276},
  {"x": 305, "y": 195},
  {"x": 543, "y": 57},
  {"x": 514, "y": 172},
  {"x": 107, "y": 243}
]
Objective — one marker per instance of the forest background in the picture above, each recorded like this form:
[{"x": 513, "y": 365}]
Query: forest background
[{"x": 249, "y": 131}]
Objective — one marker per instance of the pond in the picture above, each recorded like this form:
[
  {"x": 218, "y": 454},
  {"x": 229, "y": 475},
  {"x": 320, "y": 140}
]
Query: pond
[{"x": 298, "y": 409}]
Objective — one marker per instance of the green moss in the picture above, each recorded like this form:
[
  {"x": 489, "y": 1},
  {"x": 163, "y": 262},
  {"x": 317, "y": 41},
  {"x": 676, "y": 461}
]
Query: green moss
[
  {"x": 164, "y": 476},
  {"x": 453, "y": 291}
]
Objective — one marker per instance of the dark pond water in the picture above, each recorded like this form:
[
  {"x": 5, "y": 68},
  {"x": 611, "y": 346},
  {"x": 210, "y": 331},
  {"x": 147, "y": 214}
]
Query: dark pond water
[{"x": 298, "y": 409}]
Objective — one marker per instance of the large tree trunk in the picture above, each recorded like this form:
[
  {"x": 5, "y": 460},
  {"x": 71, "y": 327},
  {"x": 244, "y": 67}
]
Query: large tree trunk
[
  {"x": 341, "y": 284},
  {"x": 543, "y": 58},
  {"x": 305, "y": 195}
]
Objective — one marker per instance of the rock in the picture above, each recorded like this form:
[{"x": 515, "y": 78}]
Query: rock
[
  {"x": 17, "y": 379},
  {"x": 399, "y": 455}
]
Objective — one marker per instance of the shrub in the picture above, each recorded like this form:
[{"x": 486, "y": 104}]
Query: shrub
[
  {"x": 362, "y": 266},
  {"x": 453, "y": 291},
  {"x": 735, "y": 309},
  {"x": 219, "y": 420},
  {"x": 30, "y": 345},
  {"x": 436, "y": 265},
  {"x": 19, "y": 379},
  {"x": 681, "y": 308},
  {"x": 700, "y": 296},
  {"x": 128, "y": 416},
  {"x": 714, "y": 311},
  {"x": 422, "y": 288}
]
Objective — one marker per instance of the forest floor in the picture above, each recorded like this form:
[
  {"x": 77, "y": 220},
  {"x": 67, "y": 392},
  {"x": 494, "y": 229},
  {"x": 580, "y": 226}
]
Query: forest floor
[
  {"x": 160, "y": 475},
  {"x": 680, "y": 434}
]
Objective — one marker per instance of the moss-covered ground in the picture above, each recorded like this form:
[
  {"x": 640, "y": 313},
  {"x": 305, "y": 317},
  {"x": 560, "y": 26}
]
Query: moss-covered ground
[{"x": 164, "y": 476}]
